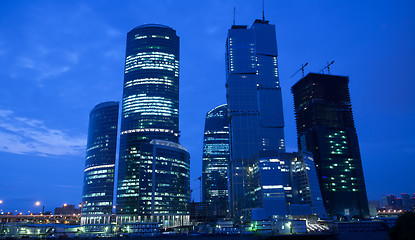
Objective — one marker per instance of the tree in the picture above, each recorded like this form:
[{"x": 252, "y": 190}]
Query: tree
[{"x": 404, "y": 228}]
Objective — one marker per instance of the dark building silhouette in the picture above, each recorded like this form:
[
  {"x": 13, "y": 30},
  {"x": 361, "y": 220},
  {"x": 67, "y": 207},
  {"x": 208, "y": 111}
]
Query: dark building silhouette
[
  {"x": 215, "y": 162},
  {"x": 153, "y": 172},
  {"x": 97, "y": 197},
  {"x": 255, "y": 109},
  {"x": 325, "y": 127},
  {"x": 67, "y": 210}
]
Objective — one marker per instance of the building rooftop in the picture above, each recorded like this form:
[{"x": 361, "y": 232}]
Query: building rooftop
[
  {"x": 104, "y": 105},
  {"x": 151, "y": 25}
]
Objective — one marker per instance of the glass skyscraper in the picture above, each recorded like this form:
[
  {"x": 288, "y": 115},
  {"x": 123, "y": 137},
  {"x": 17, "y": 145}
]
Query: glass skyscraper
[
  {"x": 153, "y": 171},
  {"x": 97, "y": 197},
  {"x": 325, "y": 127},
  {"x": 215, "y": 162},
  {"x": 255, "y": 108}
]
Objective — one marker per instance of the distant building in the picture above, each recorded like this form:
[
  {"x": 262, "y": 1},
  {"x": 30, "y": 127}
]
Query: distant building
[
  {"x": 216, "y": 162},
  {"x": 154, "y": 169},
  {"x": 255, "y": 108},
  {"x": 325, "y": 127},
  {"x": 67, "y": 210},
  {"x": 384, "y": 201},
  {"x": 98, "y": 190},
  {"x": 406, "y": 201},
  {"x": 390, "y": 201},
  {"x": 398, "y": 204},
  {"x": 374, "y": 206}
]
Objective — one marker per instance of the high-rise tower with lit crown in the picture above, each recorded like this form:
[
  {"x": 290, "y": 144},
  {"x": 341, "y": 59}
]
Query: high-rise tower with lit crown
[{"x": 153, "y": 170}]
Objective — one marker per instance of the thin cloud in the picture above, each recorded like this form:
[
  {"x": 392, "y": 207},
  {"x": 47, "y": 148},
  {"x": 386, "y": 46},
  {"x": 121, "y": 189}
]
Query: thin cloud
[{"x": 30, "y": 136}]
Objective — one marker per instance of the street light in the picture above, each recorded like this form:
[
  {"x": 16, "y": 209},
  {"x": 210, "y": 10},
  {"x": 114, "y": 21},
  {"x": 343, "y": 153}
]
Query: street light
[{"x": 38, "y": 204}]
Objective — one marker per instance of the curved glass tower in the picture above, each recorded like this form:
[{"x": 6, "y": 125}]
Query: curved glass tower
[
  {"x": 216, "y": 161},
  {"x": 150, "y": 111},
  {"x": 150, "y": 105},
  {"x": 97, "y": 197}
]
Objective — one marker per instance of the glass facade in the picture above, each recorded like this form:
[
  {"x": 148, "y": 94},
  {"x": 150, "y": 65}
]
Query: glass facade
[
  {"x": 97, "y": 197},
  {"x": 150, "y": 111},
  {"x": 273, "y": 176},
  {"x": 325, "y": 127},
  {"x": 305, "y": 187},
  {"x": 216, "y": 161},
  {"x": 255, "y": 109},
  {"x": 164, "y": 192}
]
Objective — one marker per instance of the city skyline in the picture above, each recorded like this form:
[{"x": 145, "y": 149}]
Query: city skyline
[{"x": 49, "y": 84}]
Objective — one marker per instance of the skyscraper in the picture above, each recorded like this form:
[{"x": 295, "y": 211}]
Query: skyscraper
[
  {"x": 325, "y": 127},
  {"x": 97, "y": 197},
  {"x": 153, "y": 172},
  {"x": 215, "y": 162},
  {"x": 255, "y": 110}
]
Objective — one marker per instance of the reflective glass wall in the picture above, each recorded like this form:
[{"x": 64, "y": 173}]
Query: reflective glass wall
[
  {"x": 215, "y": 162},
  {"x": 97, "y": 197},
  {"x": 255, "y": 108},
  {"x": 150, "y": 111}
]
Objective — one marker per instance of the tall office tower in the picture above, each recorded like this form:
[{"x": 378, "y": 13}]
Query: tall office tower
[
  {"x": 215, "y": 162},
  {"x": 97, "y": 197},
  {"x": 255, "y": 109},
  {"x": 153, "y": 171},
  {"x": 325, "y": 127}
]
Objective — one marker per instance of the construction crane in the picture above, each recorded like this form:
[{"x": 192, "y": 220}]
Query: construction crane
[
  {"x": 301, "y": 69},
  {"x": 328, "y": 67},
  {"x": 200, "y": 187}
]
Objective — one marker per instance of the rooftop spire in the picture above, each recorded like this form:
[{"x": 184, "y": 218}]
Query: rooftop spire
[
  {"x": 234, "y": 11},
  {"x": 263, "y": 11}
]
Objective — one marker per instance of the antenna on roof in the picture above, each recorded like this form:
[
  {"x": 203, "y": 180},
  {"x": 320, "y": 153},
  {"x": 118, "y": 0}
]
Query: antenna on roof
[
  {"x": 263, "y": 11},
  {"x": 328, "y": 67},
  {"x": 234, "y": 13}
]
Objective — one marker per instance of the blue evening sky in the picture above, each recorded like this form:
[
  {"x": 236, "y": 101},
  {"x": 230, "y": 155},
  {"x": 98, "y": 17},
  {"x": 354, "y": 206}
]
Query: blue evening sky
[{"x": 60, "y": 58}]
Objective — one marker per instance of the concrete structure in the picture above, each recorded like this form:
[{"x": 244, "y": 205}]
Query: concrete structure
[{"x": 325, "y": 128}]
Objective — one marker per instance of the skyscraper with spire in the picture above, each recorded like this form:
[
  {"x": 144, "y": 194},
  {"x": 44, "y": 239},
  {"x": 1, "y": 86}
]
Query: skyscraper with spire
[
  {"x": 154, "y": 169},
  {"x": 255, "y": 108}
]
